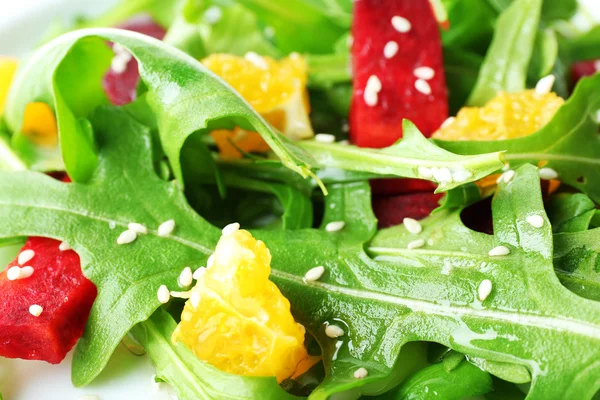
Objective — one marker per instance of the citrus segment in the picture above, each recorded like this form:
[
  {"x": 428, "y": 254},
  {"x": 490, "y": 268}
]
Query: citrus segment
[
  {"x": 8, "y": 67},
  {"x": 507, "y": 116},
  {"x": 237, "y": 319}
]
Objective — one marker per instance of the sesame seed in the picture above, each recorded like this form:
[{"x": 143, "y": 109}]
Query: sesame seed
[
  {"x": 361, "y": 373},
  {"x": 198, "y": 273},
  {"x": 548, "y": 173},
  {"x": 64, "y": 246},
  {"x": 425, "y": 173},
  {"x": 507, "y": 176},
  {"x": 25, "y": 256},
  {"x": 314, "y": 274},
  {"x": 186, "y": 277},
  {"x": 415, "y": 244},
  {"x": 461, "y": 175},
  {"x": 401, "y": 24},
  {"x": 544, "y": 85},
  {"x": 390, "y": 49},
  {"x": 506, "y": 167},
  {"x": 212, "y": 15},
  {"x": 597, "y": 65},
  {"x": 499, "y": 251},
  {"x": 324, "y": 138},
  {"x": 210, "y": 261},
  {"x": 537, "y": 221},
  {"x": 119, "y": 64},
  {"x": 112, "y": 224},
  {"x": 195, "y": 299},
  {"x": 412, "y": 225},
  {"x": 442, "y": 175},
  {"x": 163, "y": 294},
  {"x": 335, "y": 226},
  {"x": 422, "y": 86},
  {"x": 372, "y": 89},
  {"x": 35, "y": 310},
  {"x": 13, "y": 273},
  {"x": 484, "y": 290},
  {"x": 181, "y": 295},
  {"x": 344, "y": 142},
  {"x": 257, "y": 60},
  {"x": 334, "y": 331},
  {"x": 137, "y": 228},
  {"x": 26, "y": 272},
  {"x": 231, "y": 228},
  {"x": 126, "y": 237},
  {"x": 166, "y": 228},
  {"x": 425, "y": 73},
  {"x": 449, "y": 121}
]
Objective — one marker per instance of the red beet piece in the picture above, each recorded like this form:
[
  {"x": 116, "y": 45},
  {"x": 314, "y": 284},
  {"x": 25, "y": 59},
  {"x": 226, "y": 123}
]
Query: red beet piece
[
  {"x": 398, "y": 186},
  {"x": 59, "y": 287},
  {"x": 417, "y": 37},
  {"x": 391, "y": 210},
  {"x": 121, "y": 87},
  {"x": 582, "y": 69}
]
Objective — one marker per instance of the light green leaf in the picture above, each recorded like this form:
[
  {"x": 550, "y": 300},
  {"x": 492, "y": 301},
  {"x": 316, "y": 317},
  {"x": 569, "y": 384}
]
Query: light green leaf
[
  {"x": 191, "y": 378},
  {"x": 404, "y": 159},
  {"x": 188, "y": 99},
  {"x": 506, "y": 371},
  {"x": 507, "y": 59}
]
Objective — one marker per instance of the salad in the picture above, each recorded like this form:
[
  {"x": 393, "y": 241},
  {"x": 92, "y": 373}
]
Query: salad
[{"x": 322, "y": 199}]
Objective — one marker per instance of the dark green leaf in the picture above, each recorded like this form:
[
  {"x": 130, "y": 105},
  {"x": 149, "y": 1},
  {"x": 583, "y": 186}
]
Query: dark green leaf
[
  {"x": 461, "y": 67},
  {"x": 570, "y": 212},
  {"x": 471, "y": 25},
  {"x": 585, "y": 47},
  {"x": 544, "y": 57}
]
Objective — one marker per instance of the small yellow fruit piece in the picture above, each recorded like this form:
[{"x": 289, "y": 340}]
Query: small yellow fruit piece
[
  {"x": 275, "y": 89},
  {"x": 237, "y": 319},
  {"x": 507, "y": 116},
  {"x": 8, "y": 67}
]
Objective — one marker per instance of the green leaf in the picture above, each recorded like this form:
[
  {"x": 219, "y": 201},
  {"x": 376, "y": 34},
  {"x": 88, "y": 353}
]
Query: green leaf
[
  {"x": 326, "y": 70},
  {"x": 570, "y": 212},
  {"x": 507, "y": 59},
  {"x": 471, "y": 25},
  {"x": 191, "y": 378},
  {"x": 404, "y": 158},
  {"x": 506, "y": 371},
  {"x": 461, "y": 67},
  {"x": 577, "y": 262},
  {"x": 569, "y": 142},
  {"x": 187, "y": 100},
  {"x": 545, "y": 55},
  {"x": 460, "y": 197},
  {"x": 584, "y": 47}
]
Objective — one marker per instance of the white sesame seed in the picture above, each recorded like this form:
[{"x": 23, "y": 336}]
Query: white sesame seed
[
  {"x": 198, "y": 273},
  {"x": 137, "y": 228},
  {"x": 163, "y": 294},
  {"x": 507, "y": 176},
  {"x": 314, "y": 274},
  {"x": 25, "y": 256},
  {"x": 26, "y": 272},
  {"x": 257, "y": 60},
  {"x": 372, "y": 89},
  {"x": 422, "y": 86},
  {"x": 64, "y": 246},
  {"x": 390, "y": 49},
  {"x": 186, "y": 277},
  {"x": 119, "y": 64},
  {"x": 506, "y": 167},
  {"x": 425, "y": 73},
  {"x": 126, "y": 237},
  {"x": 442, "y": 175},
  {"x": 545, "y": 84},
  {"x": 35, "y": 310},
  {"x": 412, "y": 225},
  {"x": 484, "y": 290},
  {"x": 425, "y": 173},
  {"x": 13, "y": 273},
  {"x": 499, "y": 251},
  {"x": 335, "y": 226},
  {"x": 461, "y": 175},
  {"x": 181, "y": 295},
  {"x": 361, "y": 373},
  {"x": 324, "y": 138},
  {"x": 415, "y": 244},
  {"x": 334, "y": 331},
  {"x": 537, "y": 221},
  {"x": 401, "y": 24},
  {"x": 548, "y": 173},
  {"x": 231, "y": 228},
  {"x": 210, "y": 261},
  {"x": 166, "y": 228},
  {"x": 212, "y": 15},
  {"x": 449, "y": 121},
  {"x": 195, "y": 299}
]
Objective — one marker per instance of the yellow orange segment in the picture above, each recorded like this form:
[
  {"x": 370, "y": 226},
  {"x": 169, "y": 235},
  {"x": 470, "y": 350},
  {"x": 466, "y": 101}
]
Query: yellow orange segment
[
  {"x": 8, "y": 67},
  {"x": 237, "y": 319},
  {"x": 276, "y": 89},
  {"x": 507, "y": 116}
]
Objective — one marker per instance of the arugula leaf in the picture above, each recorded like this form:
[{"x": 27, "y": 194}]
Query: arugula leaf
[
  {"x": 551, "y": 9},
  {"x": 544, "y": 57},
  {"x": 189, "y": 99},
  {"x": 471, "y": 25},
  {"x": 576, "y": 259},
  {"x": 404, "y": 158},
  {"x": 461, "y": 68},
  {"x": 584, "y": 47},
  {"x": 569, "y": 142},
  {"x": 507, "y": 59},
  {"x": 8, "y": 159},
  {"x": 570, "y": 212},
  {"x": 194, "y": 379}
]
